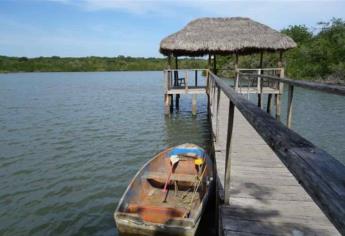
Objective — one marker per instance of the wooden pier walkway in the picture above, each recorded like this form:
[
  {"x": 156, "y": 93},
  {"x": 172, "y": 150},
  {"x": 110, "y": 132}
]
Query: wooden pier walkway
[
  {"x": 270, "y": 180},
  {"x": 265, "y": 198}
]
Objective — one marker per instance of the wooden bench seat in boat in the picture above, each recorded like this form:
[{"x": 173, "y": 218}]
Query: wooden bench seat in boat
[
  {"x": 174, "y": 177},
  {"x": 156, "y": 214}
]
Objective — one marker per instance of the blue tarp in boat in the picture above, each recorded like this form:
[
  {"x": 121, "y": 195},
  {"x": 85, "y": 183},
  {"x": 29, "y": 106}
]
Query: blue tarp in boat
[{"x": 185, "y": 151}]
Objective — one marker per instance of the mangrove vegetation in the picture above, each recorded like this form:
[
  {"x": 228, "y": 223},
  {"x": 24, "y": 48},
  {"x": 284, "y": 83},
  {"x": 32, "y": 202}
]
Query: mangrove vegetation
[{"x": 320, "y": 55}]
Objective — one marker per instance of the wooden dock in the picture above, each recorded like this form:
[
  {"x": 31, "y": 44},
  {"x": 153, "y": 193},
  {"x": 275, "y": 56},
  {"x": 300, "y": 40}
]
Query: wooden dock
[
  {"x": 265, "y": 198},
  {"x": 270, "y": 180}
]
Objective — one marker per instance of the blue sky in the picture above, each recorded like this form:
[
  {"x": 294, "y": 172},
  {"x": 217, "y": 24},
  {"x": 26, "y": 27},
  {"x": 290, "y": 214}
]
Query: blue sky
[{"x": 34, "y": 28}]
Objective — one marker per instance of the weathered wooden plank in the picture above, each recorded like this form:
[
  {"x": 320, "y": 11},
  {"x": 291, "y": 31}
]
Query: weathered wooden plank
[
  {"x": 189, "y": 91},
  {"x": 271, "y": 215},
  {"x": 264, "y": 181},
  {"x": 254, "y": 90},
  {"x": 277, "y": 228},
  {"x": 264, "y": 193},
  {"x": 236, "y": 233}
]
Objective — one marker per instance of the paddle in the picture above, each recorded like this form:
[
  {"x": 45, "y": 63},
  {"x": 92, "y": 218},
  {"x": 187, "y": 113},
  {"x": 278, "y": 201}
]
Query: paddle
[{"x": 173, "y": 160}]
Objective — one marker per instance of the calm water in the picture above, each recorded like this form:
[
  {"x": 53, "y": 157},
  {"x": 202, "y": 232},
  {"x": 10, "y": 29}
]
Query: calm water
[{"x": 71, "y": 142}]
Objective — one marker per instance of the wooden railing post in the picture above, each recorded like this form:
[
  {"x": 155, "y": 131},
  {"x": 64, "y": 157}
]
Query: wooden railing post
[
  {"x": 207, "y": 82},
  {"x": 213, "y": 95},
  {"x": 186, "y": 81},
  {"x": 237, "y": 81},
  {"x": 170, "y": 78},
  {"x": 278, "y": 96},
  {"x": 228, "y": 151},
  {"x": 260, "y": 87},
  {"x": 289, "y": 106},
  {"x": 165, "y": 81},
  {"x": 217, "y": 113}
]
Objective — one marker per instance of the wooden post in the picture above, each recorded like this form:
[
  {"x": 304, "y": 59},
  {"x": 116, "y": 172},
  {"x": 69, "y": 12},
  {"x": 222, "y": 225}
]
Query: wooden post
[
  {"x": 176, "y": 72},
  {"x": 209, "y": 61},
  {"x": 280, "y": 62},
  {"x": 167, "y": 97},
  {"x": 166, "y": 104},
  {"x": 177, "y": 99},
  {"x": 214, "y": 97},
  {"x": 217, "y": 113},
  {"x": 280, "y": 87},
  {"x": 214, "y": 64},
  {"x": 177, "y": 102},
  {"x": 166, "y": 83},
  {"x": 289, "y": 106},
  {"x": 236, "y": 73},
  {"x": 169, "y": 62},
  {"x": 269, "y": 103},
  {"x": 259, "y": 88},
  {"x": 194, "y": 96},
  {"x": 196, "y": 78},
  {"x": 261, "y": 93},
  {"x": 260, "y": 82},
  {"x": 207, "y": 82},
  {"x": 228, "y": 151},
  {"x": 277, "y": 104},
  {"x": 186, "y": 81},
  {"x": 171, "y": 102}
]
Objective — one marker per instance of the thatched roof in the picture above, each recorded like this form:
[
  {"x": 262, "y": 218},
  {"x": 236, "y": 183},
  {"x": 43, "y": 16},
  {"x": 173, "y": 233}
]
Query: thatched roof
[{"x": 224, "y": 36}]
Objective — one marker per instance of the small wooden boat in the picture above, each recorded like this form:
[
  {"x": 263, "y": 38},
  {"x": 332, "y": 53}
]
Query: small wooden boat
[{"x": 168, "y": 194}]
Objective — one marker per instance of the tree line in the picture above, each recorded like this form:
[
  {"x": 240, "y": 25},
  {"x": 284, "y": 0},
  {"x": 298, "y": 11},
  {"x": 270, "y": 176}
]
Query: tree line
[
  {"x": 78, "y": 64},
  {"x": 320, "y": 55}
]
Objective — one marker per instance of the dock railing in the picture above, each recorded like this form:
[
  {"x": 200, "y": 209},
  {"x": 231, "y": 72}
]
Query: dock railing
[
  {"x": 319, "y": 173},
  {"x": 252, "y": 78},
  {"x": 180, "y": 78},
  {"x": 328, "y": 88}
]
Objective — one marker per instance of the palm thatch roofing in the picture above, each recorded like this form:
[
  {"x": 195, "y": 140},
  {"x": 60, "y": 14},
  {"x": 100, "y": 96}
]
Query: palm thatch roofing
[{"x": 224, "y": 36}]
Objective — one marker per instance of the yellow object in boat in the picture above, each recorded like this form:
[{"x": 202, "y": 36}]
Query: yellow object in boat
[{"x": 199, "y": 161}]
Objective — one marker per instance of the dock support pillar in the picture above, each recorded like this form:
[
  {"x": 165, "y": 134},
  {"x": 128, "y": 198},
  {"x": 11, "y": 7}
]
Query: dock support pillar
[
  {"x": 171, "y": 103},
  {"x": 194, "y": 104},
  {"x": 269, "y": 103},
  {"x": 167, "y": 104},
  {"x": 277, "y": 103},
  {"x": 177, "y": 102}
]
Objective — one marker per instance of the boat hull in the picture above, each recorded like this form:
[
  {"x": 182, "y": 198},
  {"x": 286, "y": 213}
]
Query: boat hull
[
  {"x": 139, "y": 212},
  {"x": 128, "y": 227}
]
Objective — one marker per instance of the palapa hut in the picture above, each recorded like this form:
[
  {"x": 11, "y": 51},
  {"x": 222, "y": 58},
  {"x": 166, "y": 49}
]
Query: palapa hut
[{"x": 224, "y": 36}]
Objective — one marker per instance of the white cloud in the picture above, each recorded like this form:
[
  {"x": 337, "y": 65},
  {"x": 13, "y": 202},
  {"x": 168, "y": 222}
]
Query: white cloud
[{"x": 276, "y": 13}]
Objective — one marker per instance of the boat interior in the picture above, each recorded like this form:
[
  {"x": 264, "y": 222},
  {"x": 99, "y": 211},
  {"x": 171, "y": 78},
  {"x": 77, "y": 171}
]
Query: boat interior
[{"x": 163, "y": 192}]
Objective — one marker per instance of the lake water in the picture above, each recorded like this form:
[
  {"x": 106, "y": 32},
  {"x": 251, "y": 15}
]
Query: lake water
[{"x": 71, "y": 142}]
